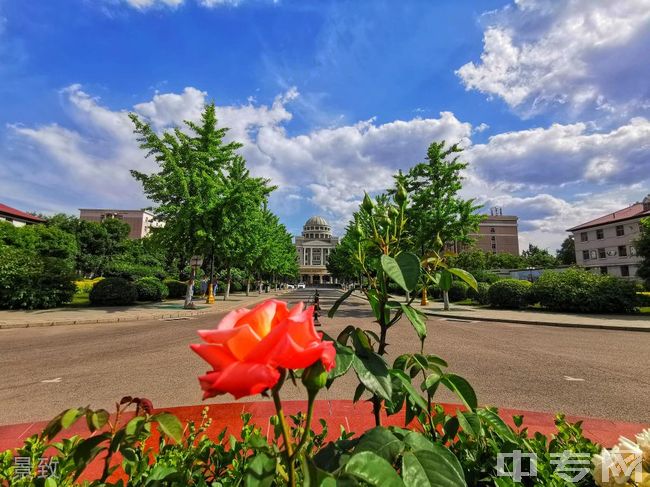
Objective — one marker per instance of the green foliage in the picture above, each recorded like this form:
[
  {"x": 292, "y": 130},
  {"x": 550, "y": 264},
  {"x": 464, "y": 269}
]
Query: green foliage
[
  {"x": 132, "y": 271},
  {"x": 486, "y": 276},
  {"x": 113, "y": 291},
  {"x": 458, "y": 291},
  {"x": 150, "y": 289},
  {"x": 581, "y": 291},
  {"x": 175, "y": 289},
  {"x": 480, "y": 294},
  {"x": 642, "y": 246},
  {"x": 510, "y": 293},
  {"x": 29, "y": 280},
  {"x": 537, "y": 257},
  {"x": 566, "y": 254}
]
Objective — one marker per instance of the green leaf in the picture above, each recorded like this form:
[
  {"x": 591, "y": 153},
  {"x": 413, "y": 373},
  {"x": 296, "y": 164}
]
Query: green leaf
[
  {"x": 470, "y": 422},
  {"x": 71, "y": 416},
  {"x": 382, "y": 442},
  {"x": 416, "y": 398},
  {"x": 465, "y": 276},
  {"x": 358, "y": 392},
  {"x": 99, "y": 418},
  {"x": 436, "y": 467},
  {"x": 445, "y": 280},
  {"x": 344, "y": 356},
  {"x": 260, "y": 472},
  {"x": 416, "y": 320},
  {"x": 403, "y": 270},
  {"x": 50, "y": 482},
  {"x": 492, "y": 419},
  {"x": 170, "y": 425},
  {"x": 373, "y": 373},
  {"x": 417, "y": 441},
  {"x": 335, "y": 306},
  {"x": 373, "y": 470},
  {"x": 461, "y": 388}
]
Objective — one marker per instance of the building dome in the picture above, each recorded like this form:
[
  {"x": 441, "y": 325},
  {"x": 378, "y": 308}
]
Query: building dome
[{"x": 317, "y": 227}]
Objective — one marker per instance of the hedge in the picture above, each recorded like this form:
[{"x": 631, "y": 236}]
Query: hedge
[
  {"x": 486, "y": 276},
  {"x": 458, "y": 291},
  {"x": 132, "y": 272},
  {"x": 509, "y": 293},
  {"x": 175, "y": 289},
  {"x": 150, "y": 289},
  {"x": 31, "y": 281},
  {"x": 581, "y": 291},
  {"x": 480, "y": 294},
  {"x": 113, "y": 291}
]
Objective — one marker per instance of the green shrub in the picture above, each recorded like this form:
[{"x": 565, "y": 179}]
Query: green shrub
[
  {"x": 577, "y": 290},
  {"x": 175, "y": 289},
  {"x": 132, "y": 272},
  {"x": 486, "y": 276},
  {"x": 643, "y": 299},
  {"x": 86, "y": 285},
  {"x": 113, "y": 291},
  {"x": 509, "y": 293},
  {"x": 480, "y": 294},
  {"x": 458, "y": 291},
  {"x": 31, "y": 281},
  {"x": 150, "y": 289}
]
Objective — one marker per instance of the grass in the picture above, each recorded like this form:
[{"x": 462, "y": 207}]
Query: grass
[
  {"x": 79, "y": 300},
  {"x": 645, "y": 310}
]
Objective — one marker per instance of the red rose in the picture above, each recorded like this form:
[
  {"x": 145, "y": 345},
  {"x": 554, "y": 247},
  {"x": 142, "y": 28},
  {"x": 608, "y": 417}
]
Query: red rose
[{"x": 248, "y": 346}]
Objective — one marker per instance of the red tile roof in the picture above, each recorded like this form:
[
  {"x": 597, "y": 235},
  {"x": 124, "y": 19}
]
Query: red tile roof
[
  {"x": 13, "y": 212},
  {"x": 634, "y": 211}
]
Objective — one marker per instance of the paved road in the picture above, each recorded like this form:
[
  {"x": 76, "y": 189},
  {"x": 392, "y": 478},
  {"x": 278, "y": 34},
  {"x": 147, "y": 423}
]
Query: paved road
[{"x": 582, "y": 372}]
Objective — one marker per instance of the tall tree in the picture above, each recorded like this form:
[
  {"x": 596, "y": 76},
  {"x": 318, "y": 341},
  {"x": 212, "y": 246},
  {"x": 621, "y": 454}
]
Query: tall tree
[
  {"x": 642, "y": 246},
  {"x": 538, "y": 257},
  {"x": 566, "y": 254},
  {"x": 189, "y": 185},
  {"x": 436, "y": 209}
]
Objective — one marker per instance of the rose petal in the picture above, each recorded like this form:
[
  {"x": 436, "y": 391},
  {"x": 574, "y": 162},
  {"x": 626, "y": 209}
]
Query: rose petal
[
  {"x": 239, "y": 379},
  {"x": 232, "y": 318},
  {"x": 240, "y": 341},
  {"x": 264, "y": 316},
  {"x": 218, "y": 356}
]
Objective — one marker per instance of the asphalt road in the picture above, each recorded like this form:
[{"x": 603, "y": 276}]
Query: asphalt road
[{"x": 595, "y": 373}]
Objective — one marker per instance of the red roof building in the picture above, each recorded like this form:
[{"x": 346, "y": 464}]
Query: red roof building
[
  {"x": 605, "y": 245},
  {"x": 16, "y": 217}
]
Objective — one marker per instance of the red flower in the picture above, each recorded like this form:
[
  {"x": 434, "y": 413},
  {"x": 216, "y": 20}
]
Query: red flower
[{"x": 248, "y": 346}]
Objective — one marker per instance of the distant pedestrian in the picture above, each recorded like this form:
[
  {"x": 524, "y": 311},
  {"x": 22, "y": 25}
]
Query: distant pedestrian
[
  {"x": 215, "y": 287},
  {"x": 204, "y": 286}
]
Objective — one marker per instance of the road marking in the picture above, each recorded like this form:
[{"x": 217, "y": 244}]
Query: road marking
[
  {"x": 50, "y": 381},
  {"x": 573, "y": 379}
]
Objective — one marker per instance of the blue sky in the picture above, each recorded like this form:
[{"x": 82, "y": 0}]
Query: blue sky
[{"x": 549, "y": 98}]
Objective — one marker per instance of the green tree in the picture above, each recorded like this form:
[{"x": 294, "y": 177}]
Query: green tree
[
  {"x": 566, "y": 254},
  {"x": 471, "y": 260},
  {"x": 436, "y": 209},
  {"x": 538, "y": 257},
  {"x": 188, "y": 189},
  {"x": 341, "y": 262},
  {"x": 642, "y": 246}
]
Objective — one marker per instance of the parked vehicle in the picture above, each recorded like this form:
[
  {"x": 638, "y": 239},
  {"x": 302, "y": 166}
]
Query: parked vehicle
[{"x": 301, "y": 285}]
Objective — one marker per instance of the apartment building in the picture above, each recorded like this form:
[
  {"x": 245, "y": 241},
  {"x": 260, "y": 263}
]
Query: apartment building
[
  {"x": 140, "y": 221},
  {"x": 16, "y": 217},
  {"x": 606, "y": 244}
]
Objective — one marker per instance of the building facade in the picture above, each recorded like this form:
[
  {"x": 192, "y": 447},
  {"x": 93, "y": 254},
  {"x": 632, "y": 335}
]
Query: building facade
[
  {"x": 606, "y": 245},
  {"x": 16, "y": 217},
  {"x": 314, "y": 247},
  {"x": 139, "y": 221},
  {"x": 497, "y": 234}
]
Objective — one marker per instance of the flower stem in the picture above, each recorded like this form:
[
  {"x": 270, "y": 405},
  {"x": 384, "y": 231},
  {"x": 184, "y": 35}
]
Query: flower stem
[
  {"x": 310, "y": 414},
  {"x": 288, "y": 446}
]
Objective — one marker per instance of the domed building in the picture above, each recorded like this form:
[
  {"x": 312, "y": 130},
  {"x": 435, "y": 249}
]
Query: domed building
[{"x": 314, "y": 247}]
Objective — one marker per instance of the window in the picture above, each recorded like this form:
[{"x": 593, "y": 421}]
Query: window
[
  {"x": 600, "y": 234},
  {"x": 585, "y": 255},
  {"x": 625, "y": 271},
  {"x": 603, "y": 270},
  {"x": 494, "y": 246},
  {"x": 492, "y": 230},
  {"x": 602, "y": 254},
  {"x": 622, "y": 251},
  {"x": 584, "y": 236},
  {"x": 620, "y": 230},
  {"x": 493, "y": 238}
]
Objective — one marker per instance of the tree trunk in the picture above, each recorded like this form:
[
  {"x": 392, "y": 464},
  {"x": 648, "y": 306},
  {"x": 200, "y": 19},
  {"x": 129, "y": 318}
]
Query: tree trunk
[
  {"x": 248, "y": 286},
  {"x": 226, "y": 293},
  {"x": 190, "y": 290},
  {"x": 445, "y": 298}
]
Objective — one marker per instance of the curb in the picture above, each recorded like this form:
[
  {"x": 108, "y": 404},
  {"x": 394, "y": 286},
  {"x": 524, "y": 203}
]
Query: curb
[
  {"x": 123, "y": 319},
  {"x": 591, "y": 326}
]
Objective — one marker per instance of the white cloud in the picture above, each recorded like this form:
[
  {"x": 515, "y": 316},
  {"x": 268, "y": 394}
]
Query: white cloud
[
  {"x": 147, "y": 4},
  {"x": 581, "y": 54},
  {"x": 579, "y": 174}
]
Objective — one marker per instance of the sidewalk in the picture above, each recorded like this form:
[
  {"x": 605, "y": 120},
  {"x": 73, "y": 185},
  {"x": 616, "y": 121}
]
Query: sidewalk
[
  {"x": 639, "y": 323},
  {"x": 112, "y": 314}
]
